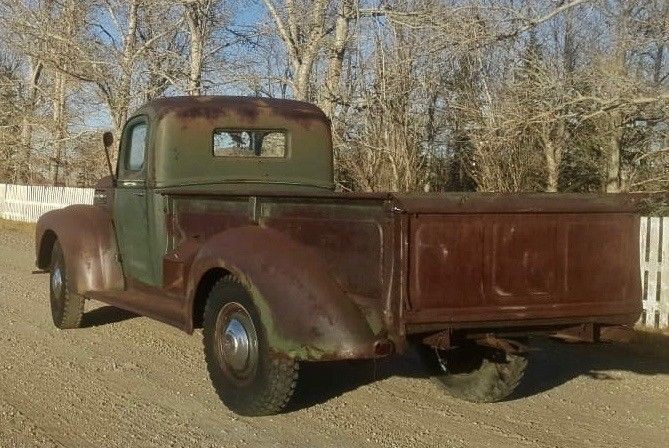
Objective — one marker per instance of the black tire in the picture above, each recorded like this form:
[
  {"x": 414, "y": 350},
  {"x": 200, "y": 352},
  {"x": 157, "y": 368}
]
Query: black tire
[
  {"x": 475, "y": 373},
  {"x": 247, "y": 376},
  {"x": 67, "y": 308}
]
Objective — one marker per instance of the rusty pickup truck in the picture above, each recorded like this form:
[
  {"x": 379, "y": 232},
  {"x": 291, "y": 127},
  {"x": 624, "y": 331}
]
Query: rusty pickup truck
[{"x": 222, "y": 215}]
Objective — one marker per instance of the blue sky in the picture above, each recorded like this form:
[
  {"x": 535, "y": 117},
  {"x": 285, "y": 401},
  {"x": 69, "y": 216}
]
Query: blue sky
[{"x": 98, "y": 117}]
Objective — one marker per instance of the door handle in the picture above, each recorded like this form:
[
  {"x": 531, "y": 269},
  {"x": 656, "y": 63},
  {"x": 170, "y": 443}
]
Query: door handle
[{"x": 132, "y": 183}]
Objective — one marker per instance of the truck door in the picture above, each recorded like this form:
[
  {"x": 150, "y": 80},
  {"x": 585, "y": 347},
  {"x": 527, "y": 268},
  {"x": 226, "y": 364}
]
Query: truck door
[{"x": 130, "y": 202}]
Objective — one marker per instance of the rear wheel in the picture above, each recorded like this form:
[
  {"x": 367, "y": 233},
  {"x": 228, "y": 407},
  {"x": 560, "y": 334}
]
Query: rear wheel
[
  {"x": 475, "y": 373},
  {"x": 247, "y": 376},
  {"x": 67, "y": 308}
]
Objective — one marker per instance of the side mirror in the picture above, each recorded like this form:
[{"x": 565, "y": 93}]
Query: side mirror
[{"x": 108, "y": 141}]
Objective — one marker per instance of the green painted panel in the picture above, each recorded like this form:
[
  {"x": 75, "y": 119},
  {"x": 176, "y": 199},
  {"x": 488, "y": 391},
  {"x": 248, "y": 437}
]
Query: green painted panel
[{"x": 130, "y": 217}]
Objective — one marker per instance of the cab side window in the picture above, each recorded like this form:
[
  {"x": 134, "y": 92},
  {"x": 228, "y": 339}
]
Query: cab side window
[{"x": 136, "y": 148}]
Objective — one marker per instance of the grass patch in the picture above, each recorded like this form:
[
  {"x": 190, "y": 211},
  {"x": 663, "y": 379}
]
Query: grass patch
[
  {"x": 651, "y": 341},
  {"x": 17, "y": 226},
  {"x": 651, "y": 335}
]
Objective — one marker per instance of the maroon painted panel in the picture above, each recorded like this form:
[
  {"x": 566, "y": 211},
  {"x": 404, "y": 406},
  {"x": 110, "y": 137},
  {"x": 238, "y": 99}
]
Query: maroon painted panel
[
  {"x": 472, "y": 267},
  {"x": 521, "y": 258},
  {"x": 598, "y": 258},
  {"x": 446, "y": 261},
  {"x": 203, "y": 218},
  {"x": 352, "y": 238},
  {"x": 352, "y": 248}
]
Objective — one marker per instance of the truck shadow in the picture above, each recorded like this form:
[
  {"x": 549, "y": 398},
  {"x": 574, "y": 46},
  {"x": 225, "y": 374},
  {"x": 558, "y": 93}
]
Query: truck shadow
[
  {"x": 556, "y": 363},
  {"x": 552, "y": 364},
  {"x": 105, "y": 315},
  {"x": 323, "y": 381}
]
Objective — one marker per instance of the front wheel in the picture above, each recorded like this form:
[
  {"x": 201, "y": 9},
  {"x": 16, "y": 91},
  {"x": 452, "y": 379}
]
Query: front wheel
[
  {"x": 475, "y": 373},
  {"x": 67, "y": 308},
  {"x": 247, "y": 376}
]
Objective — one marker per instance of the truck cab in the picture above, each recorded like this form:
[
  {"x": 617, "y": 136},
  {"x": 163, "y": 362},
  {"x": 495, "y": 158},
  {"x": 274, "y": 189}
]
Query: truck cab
[{"x": 217, "y": 145}]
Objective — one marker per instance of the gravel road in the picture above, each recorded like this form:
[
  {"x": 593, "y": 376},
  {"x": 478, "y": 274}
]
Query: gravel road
[{"x": 126, "y": 381}]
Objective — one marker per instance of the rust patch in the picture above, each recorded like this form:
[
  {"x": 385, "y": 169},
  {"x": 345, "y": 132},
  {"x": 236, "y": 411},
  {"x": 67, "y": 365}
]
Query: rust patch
[
  {"x": 247, "y": 108},
  {"x": 441, "y": 340},
  {"x": 87, "y": 237},
  {"x": 507, "y": 345},
  {"x": 581, "y": 333}
]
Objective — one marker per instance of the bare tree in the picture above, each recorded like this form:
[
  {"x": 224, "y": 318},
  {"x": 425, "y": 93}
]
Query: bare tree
[
  {"x": 9, "y": 115},
  {"x": 302, "y": 26},
  {"x": 336, "y": 53},
  {"x": 493, "y": 95},
  {"x": 24, "y": 173},
  {"x": 199, "y": 17}
]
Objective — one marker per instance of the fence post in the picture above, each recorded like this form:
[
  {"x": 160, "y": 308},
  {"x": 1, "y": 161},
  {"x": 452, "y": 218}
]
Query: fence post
[
  {"x": 664, "y": 275},
  {"x": 3, "y": 193},
  {"x": 654, "y": 245}
]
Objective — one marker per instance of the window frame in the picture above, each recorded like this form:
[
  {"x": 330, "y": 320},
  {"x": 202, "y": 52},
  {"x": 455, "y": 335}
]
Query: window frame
[{"x": 122, "y": 169}]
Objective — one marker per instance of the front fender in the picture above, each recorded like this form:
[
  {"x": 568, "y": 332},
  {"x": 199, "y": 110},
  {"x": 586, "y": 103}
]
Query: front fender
[
  {"x": 305, "y": 312},
  {"x": 86, "y": 235}
]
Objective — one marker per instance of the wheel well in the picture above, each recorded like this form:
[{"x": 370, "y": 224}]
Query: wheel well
[
  {"x": 45, "y": 249},
  {"x": 207, "y": 282}
]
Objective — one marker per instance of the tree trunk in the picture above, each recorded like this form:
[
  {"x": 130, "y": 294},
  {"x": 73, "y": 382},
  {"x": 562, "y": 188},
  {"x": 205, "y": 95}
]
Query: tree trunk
[
  {"x": 613, "y": 179},
  {"x": 302, "y": 29},
  {"x": 552, "y": 169},
  {"x": 553, "y": 140},
  {"x": 196, "y": 58},
  {"x": 59, "y": 123},
  {"x": 24, "y": 172},
  {"x": 336, "y": 59},
  {"x": 119, "y": 103},
  {"x": 195, "y": 17},
  {"x": 658, "y": 64},
  {"x": 301, "y": 80}
]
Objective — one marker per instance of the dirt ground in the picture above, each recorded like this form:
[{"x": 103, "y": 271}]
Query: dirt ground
[{"x": 126, "y": 381}]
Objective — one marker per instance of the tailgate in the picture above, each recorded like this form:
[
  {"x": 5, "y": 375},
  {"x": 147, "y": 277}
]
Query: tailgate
[{"x": 520, "y": 258}]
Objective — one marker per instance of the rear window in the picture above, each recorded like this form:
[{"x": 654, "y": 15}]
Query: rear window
[{"x": 250, "y": 143}]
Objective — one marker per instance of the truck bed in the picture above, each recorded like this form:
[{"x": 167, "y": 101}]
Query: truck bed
[{"x": 419, "y": 262}]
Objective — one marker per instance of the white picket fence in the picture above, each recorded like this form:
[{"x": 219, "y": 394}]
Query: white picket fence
[
  {"x": 655, "y": 272},
  {"x": 28, "y": 203}
]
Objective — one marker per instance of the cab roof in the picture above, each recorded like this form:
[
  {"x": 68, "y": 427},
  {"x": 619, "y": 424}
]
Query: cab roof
[
  {"x": 247, "y": 107},
  {"x": 181, "y": 139}
]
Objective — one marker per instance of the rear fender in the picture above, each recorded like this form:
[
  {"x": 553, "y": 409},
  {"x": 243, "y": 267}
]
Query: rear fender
[
  {"x": 86, "y": 235},
  {"x": 305, "y": 312}
]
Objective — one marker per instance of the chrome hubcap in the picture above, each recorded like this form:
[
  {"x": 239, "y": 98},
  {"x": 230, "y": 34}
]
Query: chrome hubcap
[
  {"x": 57, "y": 281},
  {"x": 238, "y": 342}
]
